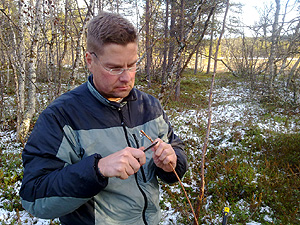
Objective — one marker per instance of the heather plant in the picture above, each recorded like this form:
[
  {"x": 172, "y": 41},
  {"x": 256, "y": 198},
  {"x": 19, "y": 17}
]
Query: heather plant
[
  {"x": 253, "y": 170},
  {"x": 252, "y": 162}
]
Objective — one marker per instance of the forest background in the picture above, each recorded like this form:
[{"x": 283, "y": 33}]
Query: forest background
[{"x": 182, "y": 42}]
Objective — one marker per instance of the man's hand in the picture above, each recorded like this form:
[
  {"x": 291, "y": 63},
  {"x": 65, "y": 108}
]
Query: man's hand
[
  {"x": 122, "y": 164},
  {"x": 163, "y": 154}
]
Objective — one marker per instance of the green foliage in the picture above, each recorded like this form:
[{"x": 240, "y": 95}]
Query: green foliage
[
  {"x": 284, "y": 149},
  {"x": 10, "y": 179},
  {"x": 256, "y": 173},
  {"x": 193, "y": 93},
  {"x": 281, "y": 175}
]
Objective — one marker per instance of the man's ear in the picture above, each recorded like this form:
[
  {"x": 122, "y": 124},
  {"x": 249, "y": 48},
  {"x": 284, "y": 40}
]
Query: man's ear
[{"x": 88, "y": 59}]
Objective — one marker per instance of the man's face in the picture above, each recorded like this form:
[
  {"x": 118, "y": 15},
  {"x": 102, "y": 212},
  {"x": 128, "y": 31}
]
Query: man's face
[{"x": 113, "y": 87}]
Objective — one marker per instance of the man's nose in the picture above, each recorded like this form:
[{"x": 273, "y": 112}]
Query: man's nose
[{"x": 126, "y": 75}]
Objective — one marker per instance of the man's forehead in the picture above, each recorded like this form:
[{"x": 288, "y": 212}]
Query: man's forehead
[
  {"x": 115, "y": 52},
  {"x": 106, "y": 48}
]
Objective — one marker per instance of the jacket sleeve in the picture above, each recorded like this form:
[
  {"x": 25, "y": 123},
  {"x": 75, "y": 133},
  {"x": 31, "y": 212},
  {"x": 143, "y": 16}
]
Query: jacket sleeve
[
  {"x": 52, "y": 187},
  {"x": 182, "y": 164}
]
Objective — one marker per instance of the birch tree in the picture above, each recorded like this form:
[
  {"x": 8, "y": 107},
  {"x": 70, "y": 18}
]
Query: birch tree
[
  {"x": 61, "y": 56},
  {"x": 80, "y": 35},
  {"x": 165, "y": 52},
  {"x": 49, "y": 31},
  {"x": 31, "y": 103},
  {"x": 182, "y": 46},
  {"x": 181, "y": 33},
  {"x": 147, "y": 42},
  {"x": 203, "y": 154},
  {"x": 20, "y": 79},
  {"x": 211, "y": 43},
  {"x": 14, "y": 54},
  {"x": 274, "y": 41}
]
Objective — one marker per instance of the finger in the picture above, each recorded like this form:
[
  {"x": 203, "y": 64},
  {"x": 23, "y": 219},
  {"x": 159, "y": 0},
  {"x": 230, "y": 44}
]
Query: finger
[
  {"x": 159, "y": 141},
  {"x": 133, "y": 165},
  {"x": 139, "y": 156},
  {"x": 168, "y": 157},
  {"x": 165, "y": 151},
  {"x": 158, "y": 149},
  {"x": 124, "y": 176},
  {"x": 126, "y": 171},
  {"x": 130, "y": 170},
  {"x": 164, "y": 154},
  {"x": 157, "y": 162},
  {"x": 165, "y": 160},
  {"x": 162, "y": 160},
  {"x": 171, "y": 161}
]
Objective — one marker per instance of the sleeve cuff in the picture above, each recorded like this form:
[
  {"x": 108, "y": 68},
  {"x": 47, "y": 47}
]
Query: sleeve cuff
[{"x": 98, "y": 173}]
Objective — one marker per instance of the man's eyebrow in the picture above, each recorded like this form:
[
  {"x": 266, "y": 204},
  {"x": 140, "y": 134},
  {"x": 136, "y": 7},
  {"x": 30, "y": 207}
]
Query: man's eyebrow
[
  {"x": 130, "y": 64},
  {"x": 120, "y": 66}
]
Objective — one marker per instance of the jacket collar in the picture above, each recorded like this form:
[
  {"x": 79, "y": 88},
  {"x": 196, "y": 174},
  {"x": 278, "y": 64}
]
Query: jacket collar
[{"x": 96, "y": 94}]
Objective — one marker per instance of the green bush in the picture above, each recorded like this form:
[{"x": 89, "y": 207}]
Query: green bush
[
  {"x": 281, "y": 180},
  {"x": 256, "y": 173},
  {"x": 10, "y": 179}
]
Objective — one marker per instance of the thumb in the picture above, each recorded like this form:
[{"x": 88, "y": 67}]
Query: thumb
[{"x": 142, "y": 148}]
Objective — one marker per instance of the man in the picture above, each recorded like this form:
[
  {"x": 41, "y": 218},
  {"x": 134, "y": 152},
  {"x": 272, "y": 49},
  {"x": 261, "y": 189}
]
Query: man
[{"x": 84, "y": 161}]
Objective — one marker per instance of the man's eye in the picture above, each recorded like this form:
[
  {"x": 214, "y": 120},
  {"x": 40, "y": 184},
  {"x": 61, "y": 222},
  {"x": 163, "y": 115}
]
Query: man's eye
[{"x": 116, "y": 69}]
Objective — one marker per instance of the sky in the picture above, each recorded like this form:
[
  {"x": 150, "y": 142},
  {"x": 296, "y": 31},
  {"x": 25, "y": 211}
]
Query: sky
[
  {"x": 250, "y": 13},
  {"x": 252, "y": 8}
]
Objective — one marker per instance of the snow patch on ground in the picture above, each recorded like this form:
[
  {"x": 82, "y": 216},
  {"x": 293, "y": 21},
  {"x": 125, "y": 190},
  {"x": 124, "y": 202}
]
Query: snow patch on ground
[{"x": 232, "y": 108}]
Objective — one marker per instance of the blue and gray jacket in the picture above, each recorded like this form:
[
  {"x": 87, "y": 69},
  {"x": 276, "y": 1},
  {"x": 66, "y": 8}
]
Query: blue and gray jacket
[{"x": 61, "y": 178}]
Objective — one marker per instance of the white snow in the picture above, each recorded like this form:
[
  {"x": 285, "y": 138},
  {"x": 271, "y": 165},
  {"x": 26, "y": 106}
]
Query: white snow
[{"x": 230, "y": 107}]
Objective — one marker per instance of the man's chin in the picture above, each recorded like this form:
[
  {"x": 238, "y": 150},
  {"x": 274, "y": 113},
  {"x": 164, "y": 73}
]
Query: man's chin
[
  {"x": 122, "y": 92},
  {"x": 119, "y": 96}
]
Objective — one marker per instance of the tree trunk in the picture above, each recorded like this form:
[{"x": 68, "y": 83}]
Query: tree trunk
[
  {"x": 172, "y": 37},
  {"x": 196, "y": 61},
  {"x": 9, "y": 60},
  {"x": 80, "y": 34},
  {"x": 211, "y": 43},
  {"x": 274, "y": 40},
  {"x": 100, "y": 5},
  {"x": 24, "y": 129},
  {"x": 148, "y": 50},
  {"x": 181, "y": 30},
  {"x": 164, "y": 64},
  {"x": 202, "y": 188},
  {"x": 20, "y": 73},
  {"x": 182, "y": 47},
  {"x": 292, "y": 73},
  {"x": 65, "y": 44},
  {"x": 50, "y": 69}
]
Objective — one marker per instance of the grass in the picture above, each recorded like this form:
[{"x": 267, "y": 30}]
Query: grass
[
  {"x": 254, "y": 171},
  {"x": 10, "y": 178},
  {"x": 256, "y": 174}
]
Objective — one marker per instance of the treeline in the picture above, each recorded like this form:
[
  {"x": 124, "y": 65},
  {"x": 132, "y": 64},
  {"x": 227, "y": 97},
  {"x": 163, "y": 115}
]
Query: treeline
[{"x": 44, "y": 41}]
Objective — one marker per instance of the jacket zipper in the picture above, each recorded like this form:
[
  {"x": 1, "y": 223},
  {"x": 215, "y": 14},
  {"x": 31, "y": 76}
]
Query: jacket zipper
[
  {"x": 142, "y": 168},
  {"x": 136, "y": 180}
]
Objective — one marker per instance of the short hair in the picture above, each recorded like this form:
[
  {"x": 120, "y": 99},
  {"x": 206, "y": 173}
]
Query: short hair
[{"x": 107, "y": 28}]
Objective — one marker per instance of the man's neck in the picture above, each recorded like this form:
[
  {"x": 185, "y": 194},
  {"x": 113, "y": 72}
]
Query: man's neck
[{"x": 118, "y": 100}]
